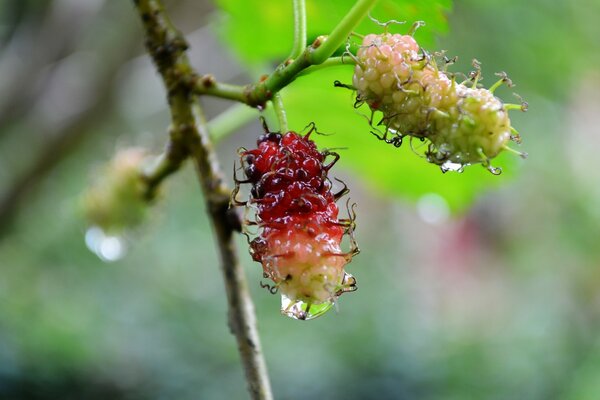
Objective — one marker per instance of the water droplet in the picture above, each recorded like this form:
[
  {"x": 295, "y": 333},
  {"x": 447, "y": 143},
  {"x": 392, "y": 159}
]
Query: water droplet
[
  {"x": 108, "y": 248},
  {"x": 452, "y": 166},
  {"x": 303, "y": 311}
]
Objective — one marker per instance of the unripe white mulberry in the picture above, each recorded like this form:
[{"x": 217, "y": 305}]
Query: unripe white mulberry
[{"x": 463, "y": 125}]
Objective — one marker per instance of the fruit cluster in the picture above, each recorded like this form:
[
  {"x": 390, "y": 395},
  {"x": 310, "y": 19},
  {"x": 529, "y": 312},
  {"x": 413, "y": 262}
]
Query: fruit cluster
[
  {"x": 462, "y": 124},
  {"x": 299, "y": 238}
]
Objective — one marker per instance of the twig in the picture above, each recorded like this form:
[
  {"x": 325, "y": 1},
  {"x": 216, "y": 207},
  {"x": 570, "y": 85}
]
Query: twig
[{"x": 188, "y": 128}]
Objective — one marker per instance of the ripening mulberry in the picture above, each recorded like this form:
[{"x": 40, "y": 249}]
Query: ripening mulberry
[
  {"x": 463, "y": 125},
  {"x": 299, "y": 233}
]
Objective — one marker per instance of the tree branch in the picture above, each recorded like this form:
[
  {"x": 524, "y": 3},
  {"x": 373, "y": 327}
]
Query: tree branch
[{"x": 189, "y": 130}]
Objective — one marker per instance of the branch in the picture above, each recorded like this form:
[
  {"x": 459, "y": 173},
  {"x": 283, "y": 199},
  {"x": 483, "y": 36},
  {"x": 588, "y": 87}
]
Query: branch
[
  {"x": 189, "y": 130},
  {"x": 174, "y": 155}
]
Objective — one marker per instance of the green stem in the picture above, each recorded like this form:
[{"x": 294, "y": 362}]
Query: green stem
[
  {"x": 280, "y": 112},
  {"x": 299, "y": 28},
  {"x": 208, "y": 85},
  {"x": 330, "y": 62},
  {"x": 340, "y": 33}
]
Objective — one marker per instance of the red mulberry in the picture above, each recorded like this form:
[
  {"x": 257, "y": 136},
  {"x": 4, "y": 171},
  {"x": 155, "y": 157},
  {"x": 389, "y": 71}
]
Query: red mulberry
[
  {"x": 463, "y": 125},
  {"x": 299, "y": 236}
]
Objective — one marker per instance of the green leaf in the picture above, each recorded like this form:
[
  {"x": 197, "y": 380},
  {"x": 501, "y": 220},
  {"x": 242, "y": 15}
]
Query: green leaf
[
  {"x": 262, "y": 30},
  {"x": 390, "y": 170}
]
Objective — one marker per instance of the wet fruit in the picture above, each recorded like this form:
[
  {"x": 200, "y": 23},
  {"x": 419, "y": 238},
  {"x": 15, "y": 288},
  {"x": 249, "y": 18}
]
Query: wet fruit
[
  {"x": 299, "y": 233},
  {"x": 462, "y": 124}
]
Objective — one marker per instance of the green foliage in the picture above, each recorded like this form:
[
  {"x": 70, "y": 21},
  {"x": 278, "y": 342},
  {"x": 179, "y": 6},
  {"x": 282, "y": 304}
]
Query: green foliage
[{"x": 541, "y": 44}]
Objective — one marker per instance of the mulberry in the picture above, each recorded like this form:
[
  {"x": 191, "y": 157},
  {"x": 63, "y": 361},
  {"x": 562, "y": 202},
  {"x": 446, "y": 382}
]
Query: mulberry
[
  {"x": 299, "y": 233},
  {"x": 462, "y": 125}
]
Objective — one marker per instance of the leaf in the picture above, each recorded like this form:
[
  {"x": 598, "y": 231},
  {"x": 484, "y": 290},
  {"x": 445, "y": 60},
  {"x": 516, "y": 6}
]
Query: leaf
[
  {"x": 390, "y": 170},
  {"x": 263, "y": 30}
]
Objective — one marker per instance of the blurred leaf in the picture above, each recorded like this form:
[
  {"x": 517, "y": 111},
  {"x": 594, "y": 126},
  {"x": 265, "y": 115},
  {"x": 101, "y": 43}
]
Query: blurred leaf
[
  {"x": 525, "y": 39},
  {"x": 391, "y": 170},
  {"x": 261, "y": 30}
]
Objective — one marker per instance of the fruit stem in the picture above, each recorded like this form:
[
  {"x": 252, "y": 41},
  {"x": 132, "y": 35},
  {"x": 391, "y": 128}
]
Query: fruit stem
[
  {"x": 330, "y": 62},
  {"x": 280, "y": 112},
  {"x": 299, "y": 28}
]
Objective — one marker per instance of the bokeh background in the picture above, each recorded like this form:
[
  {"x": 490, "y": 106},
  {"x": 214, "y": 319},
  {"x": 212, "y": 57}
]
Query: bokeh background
[{"x": 470, "y": 286}]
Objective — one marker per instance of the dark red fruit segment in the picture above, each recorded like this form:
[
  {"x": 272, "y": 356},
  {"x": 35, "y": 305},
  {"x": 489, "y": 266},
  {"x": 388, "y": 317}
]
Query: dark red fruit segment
[{"x": 299, "y": 237}]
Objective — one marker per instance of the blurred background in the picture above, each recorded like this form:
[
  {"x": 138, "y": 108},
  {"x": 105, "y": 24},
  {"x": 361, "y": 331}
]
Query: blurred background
[{"x": 471, "y": 286}]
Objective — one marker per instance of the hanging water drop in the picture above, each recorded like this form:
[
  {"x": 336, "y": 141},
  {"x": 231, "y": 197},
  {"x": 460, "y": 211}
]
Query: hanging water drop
[
  {"x": 302, "y": 310},
  {"x": 305, "y": 311},
  {"x": 452, "y": 166}
]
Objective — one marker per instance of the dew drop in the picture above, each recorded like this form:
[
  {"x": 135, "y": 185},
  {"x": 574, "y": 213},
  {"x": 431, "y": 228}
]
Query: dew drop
[
  {"x": 298, "y": 309},
  {"x": 452, "y": 166},
  {"x": 303, "y": 311},
  {"x": 108, "y": 248}
]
